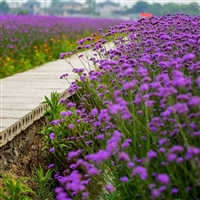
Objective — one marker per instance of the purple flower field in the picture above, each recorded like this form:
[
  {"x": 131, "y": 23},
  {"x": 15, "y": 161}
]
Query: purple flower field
[
  {"x": 132, "y": 130},
  {"x": 29, "y": 41}
]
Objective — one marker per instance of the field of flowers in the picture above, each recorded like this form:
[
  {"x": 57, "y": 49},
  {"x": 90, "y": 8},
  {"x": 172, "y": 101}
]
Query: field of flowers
[
  {"x": 132, "y": 129},
  {"x": 29, "y": 41}
]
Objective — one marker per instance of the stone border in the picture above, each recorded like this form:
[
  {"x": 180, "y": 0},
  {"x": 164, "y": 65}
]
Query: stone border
[
  {"x": 15, "y": 129},
  {"x": 21, "y": 144}
]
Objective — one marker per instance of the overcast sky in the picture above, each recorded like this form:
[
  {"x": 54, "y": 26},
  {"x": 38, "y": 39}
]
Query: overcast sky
[{"x": 123, "y": 2}]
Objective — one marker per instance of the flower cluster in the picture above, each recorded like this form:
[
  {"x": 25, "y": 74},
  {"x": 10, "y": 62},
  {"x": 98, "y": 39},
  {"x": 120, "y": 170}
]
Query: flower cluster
[
  {"x": 139, "y": 113},
  {"x": 28, "y": 41}
]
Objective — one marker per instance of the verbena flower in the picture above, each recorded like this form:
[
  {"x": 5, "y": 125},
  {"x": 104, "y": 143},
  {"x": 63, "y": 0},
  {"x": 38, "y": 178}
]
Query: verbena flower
[
  {"x": 51, "y": 150},
  {"x": 137, "y": 112},
  {"x": 141, "y": 172},
  {"x": 62, "y": 55},
  {"x": 52, "y": 136},
  {"x": 110, "y": 188},
  {"x": 163, "y": 178},
  {"x": 124, "y": 179},
  {"x": 51, "y": 166},
  {"x": 71, "y": 126}
]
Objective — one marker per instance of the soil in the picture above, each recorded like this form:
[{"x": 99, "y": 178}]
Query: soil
[{"x": 24, "y": 167}]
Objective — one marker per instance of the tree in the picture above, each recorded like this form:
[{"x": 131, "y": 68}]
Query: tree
[
  {"x": 192, "y": 9},
  {"x": 90, "y": 5},
  {"x": 140, "y": 6},
  {"x": 55, "y": 3},
  {"x": 23, "y": 12},
  {"x": 156, "y": 9},
  {"x": 4, "y": 7}
]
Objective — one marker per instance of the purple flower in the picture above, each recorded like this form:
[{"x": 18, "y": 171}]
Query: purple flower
[
  {"x": 55, "y": 122},
  {"x": 130, "y": 164},
  {"x": 176, "y": 149},
  {"x": 85, "y": 194},
  {"x": 50, "y": 166},
  {"x": 162, "y": 188},
  {"x": 58, "y": 189},
  {"x": 129, "y": 85},
  {"x": 194, "y": 101},
  {"x": 155, "y": 193},
  {"x": 123, "y": 156},
  {"x": 192, "y": 151},
  {"x": 51, "y": 150},
  {"x": 126, "y": 143},
  {"x": 152, "y": 154},
  {"x": 198, "y": 81},
  {"x": 71, "y": 126},
  {"x": 141, "y": 172},
  {"x": 94, "y": 112},
  {"x": 93, "y": 171},
  {"x": 174, "y": 190},
  {"x": 196, "y": 133},
  {"x": 163, "y": 141},
  {"x": 171, "y": 157},
  {"x": 66, "y": 113},
  {"x": 188, "y": 57},
  {"x": 104, "y": 116},
  {"x": 62, "y": 55},
  {"x": 149, "y": 103},
  {"x": 179, "y": 160},
  {"x": 163, "y": 178},
  {"x": 181, "y": 108},
  {"x": 110, "y": 188},
  {"x": 151, "y": 186},
  {"x": 124, "y": 179},
  {"x": 73, "y": 154},
  {"x": 99, "y": 157},
  {"x": 52, "y": 136},
  {"x": 62, "y": 196},
  {"x": 144, "y": 87},
  {"x": 88, "y": 142},
  {"x": 99, "y": 137},
  {"x": 71, "y": 104}
]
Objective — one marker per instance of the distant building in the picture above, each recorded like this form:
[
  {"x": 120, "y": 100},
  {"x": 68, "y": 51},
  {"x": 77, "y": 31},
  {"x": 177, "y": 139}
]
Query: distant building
[
  {"x": 107, "y": 8},
  {"x": 32, "y": 6},
  {"x": 71, "y": 7},
  {"x": 14, "y": 5}
]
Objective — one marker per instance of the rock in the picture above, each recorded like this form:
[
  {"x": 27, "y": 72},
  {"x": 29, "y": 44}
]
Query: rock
[
  {"x": 10, "y": 161},
  {"x": 33, "y": 147},
  {"x": 30, "y": 136},
  {"x": 5, "y": 163}
]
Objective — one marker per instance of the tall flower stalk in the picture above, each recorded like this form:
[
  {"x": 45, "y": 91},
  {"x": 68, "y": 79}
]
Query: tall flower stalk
[{"x": 135, "y": 117}]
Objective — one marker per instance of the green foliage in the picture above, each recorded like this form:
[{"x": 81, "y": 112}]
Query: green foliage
[
  {"x": 53, "y": 112},
  {"x": 44, "y": 184},
  {"x": 140, "y": 6},
  {"x": 90, "y": 5},
  {"x": 15, "y": 189},
  {"x": 60, "y": 144},
  {"x": 22, "y": 12}
]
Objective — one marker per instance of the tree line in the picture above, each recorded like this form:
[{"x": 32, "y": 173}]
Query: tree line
[{"x": 158, "y": 9}]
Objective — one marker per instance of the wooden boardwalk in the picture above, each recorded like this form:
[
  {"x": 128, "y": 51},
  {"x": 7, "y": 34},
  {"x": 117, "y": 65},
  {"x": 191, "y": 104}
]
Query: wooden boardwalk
[{"x": 21, "y": 95}]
